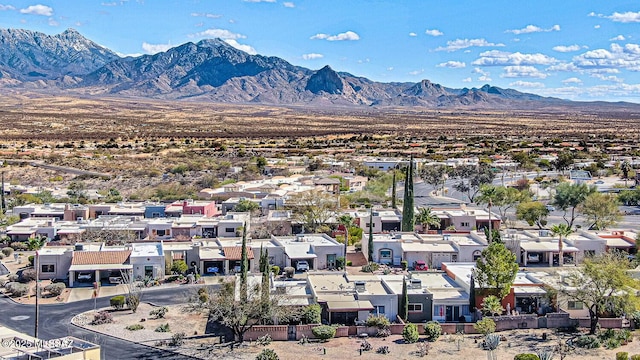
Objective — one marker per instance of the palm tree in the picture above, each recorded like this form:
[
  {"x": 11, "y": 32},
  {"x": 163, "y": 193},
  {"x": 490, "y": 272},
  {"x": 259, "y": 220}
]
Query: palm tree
[
  {"x": 35, "y": 243},
  {"x": 488, "y": 195},
  {"x": 348, "y": 222},
  {"x": 427, "y": 219},
  {"x": 626, "y": 168},
  {"x": 561, "y": 230}
]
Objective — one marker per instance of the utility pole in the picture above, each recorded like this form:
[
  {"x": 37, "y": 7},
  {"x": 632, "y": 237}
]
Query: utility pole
[
  {"x": 3, "y": 206},
  {"x": 37, "y": 264}
]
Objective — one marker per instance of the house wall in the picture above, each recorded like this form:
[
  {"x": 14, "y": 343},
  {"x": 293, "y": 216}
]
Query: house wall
[
  {"x": 139, "y": 263},
  {"x": 598, "y": 246},
  {"x": 395, "y": 246},
  {"x": 104, "y": 209},
  {"x": 150, "y": 211},
  {"x": 223, "y": 225},
  {"x": 427, "y": 307},
  {"x": 465, "y": 252},
  {"x": 389, "y": 301},
  {"x": 323, "y": 251},
  {"x": 61, "y": 264},
  {"x": 464, "y": 222}
]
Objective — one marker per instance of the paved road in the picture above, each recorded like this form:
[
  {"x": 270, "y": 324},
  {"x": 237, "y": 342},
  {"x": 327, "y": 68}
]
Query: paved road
[{"x": 55, "y": 322}]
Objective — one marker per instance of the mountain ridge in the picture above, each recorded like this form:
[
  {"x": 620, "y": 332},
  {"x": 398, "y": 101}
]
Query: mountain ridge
[{"x": 213, "y": 70}]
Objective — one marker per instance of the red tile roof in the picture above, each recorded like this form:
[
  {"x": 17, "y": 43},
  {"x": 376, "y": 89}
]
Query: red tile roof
[
  {"x": 235, "y": 253},
  {"x": 100, "y": 257}
]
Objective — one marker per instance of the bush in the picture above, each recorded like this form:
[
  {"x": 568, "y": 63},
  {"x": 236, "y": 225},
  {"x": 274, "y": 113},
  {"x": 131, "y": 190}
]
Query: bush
[
  {"x": 163, "y": 328},
  {"x": 134, "y": 327},
  {"x": 485, "y": 326},
  {"x": 31, "y": 259},
  {"x": 17, "y": 289},
  {"x": 267, "y": 354},
  {"x": 177, "y": 339},
  {"x": 7, "y": 251},
  {"x": 312, "y": 314},
  {"x": 587, "y": 342},
  {"x": 55, "y": 289},
  {"x": 386, "y": 332},
  {"x": 358, "y": 247},
  {"x": 117, "y": 302},
  {"x": 526, "y": 357},
  {"x": 635, "y": 357},
  {"x": 622, "y": 355},
  {"x": 612, "y": 343},
  {"x": 13, "y": 277},
  {"x": 289, "y": 271},
  {"x": 370, "y": 267},
  {"x": 324, "y": 332},
  {"x": 404, "y": 264},
  {"x": 28, "y": 275},
  {"x": 349, "y": 263},
  {"x": 264, "y": 340},
  {"x": 102, "y": 317},
  {"x": 433, "y": 330},
  {"x": 18, "y": 246},
  {"x": 275, "y": 269},
  {"x": 383, "y": 350},
  {"x": 410, "y": 333},
  {"x": 179, "y": 267},
  {"x": 159, "y": 313},
  {"x": 379, "y": 321},
  {"x": 340, "y": 262}
]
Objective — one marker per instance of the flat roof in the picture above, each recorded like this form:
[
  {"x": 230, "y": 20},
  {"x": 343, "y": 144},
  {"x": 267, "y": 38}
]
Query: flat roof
[
  {"x": 618, "y": 242},
  {"x": 148, "y": 249},
  {"x": 545, "y": 246},
  {"x": 349, "y": 305},
  {"x": 428, "y": 247},
  {"x": 93, "y": 267}
]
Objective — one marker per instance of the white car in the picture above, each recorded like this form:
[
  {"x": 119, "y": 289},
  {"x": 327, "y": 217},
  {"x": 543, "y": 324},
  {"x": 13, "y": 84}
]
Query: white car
[
  {"x": 533, "y": 258},
  {"x": 550, "y": 208},
  {"x": 84, "y": 277},
  {"x": 302, "y": 265}
]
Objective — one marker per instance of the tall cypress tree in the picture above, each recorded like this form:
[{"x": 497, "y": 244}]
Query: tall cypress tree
[
  {"x": 404, "y": 301},
  {"x": 408, "y": 217},
  {"x": 266, "y": 285},
  {"x": 393, "y": 190},
  {"x": 244, "y": 266},
  {"x": 370, "y": 244}
]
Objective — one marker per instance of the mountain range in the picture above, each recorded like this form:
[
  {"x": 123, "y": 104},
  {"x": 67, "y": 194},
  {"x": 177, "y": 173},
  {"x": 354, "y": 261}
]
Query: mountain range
[{"x": 212, "y": 70}]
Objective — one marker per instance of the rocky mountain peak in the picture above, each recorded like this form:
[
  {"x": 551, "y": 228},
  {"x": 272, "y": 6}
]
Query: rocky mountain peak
[{"x": 325, "y": 80}]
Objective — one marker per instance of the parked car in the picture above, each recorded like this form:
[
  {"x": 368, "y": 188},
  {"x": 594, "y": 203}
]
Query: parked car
[
  {"x": 420, "y": 265},
  {"x": 115, "y": 278},
  {"x": 85, "y": 276},
  {"x": 550, "y": 208},
  {"x": 533, "y": 258},
  {"x": 632, "y": 212},
  {"x": 302, "y": 265}
]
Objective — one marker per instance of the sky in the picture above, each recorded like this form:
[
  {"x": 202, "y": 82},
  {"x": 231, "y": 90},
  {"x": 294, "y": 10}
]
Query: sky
[{"x": 572, "y": 49}]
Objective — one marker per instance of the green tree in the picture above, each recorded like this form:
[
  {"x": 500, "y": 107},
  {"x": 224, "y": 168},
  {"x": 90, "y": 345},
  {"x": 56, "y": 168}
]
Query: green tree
[
  {"x": 568, "y": 198},
  {"x": 403, "y": 312},
  {"x": 36, "y": 243},
  {"x": 246, "y": 205},
  {"x": 427, "y": 219},
  {"x": 244, "y": 266},
  {"x": 370, "y": 241},
  {"x": 496, "y": 269},
  {"x": 261, "y": 162},
  {"x": 491, "y": 306},
  {"x": 435, "y": 175},
  {"x": 563, "y": 161},
  {"x": 601, "y": 210},
  {"x": 393, "y": 191},
  {"x": 488, "y": 195},
  {"x": 408, "y": 205},
  {"x": 507, "y": 198},
  {"x": 626, "y": 168},
  {"x": 602, "y": 285},
  {"x": 471, "y": 178},
  {"x": 312, "y": 208},
  {"x": 561, "y": 230},
  {"x": 76, "y": 191},
  {"x": 348, "y": 222},
  {"x": 179, "y": 267},
  {"x": 533, "y": 212}
]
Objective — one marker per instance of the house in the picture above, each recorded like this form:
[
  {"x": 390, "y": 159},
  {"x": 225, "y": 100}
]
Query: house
[
  {"x": 340, "y": 300},
  {"x": 54, "y": 261},
  {"x": 191, "y": 207},
  {"x": 147, "y": 260},
  {"x": 384, "y": 220},
  {"x": 223, "y": 257},
  {"x": 419, "y": 299},
  {"x": 319, "y": 250},
  {"x": 154, "y": 211},
  {"x": 51, "y": 211},
  {"x": 76, "y": 212},
  {"x": 88, "y": 266},
  {"x": 32, "y": 227},
  {"x": 64, "y": 348},
  {"x": 355, "y": 182}
]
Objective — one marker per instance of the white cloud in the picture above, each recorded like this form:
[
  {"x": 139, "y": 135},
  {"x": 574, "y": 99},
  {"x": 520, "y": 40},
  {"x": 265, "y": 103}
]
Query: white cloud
[
  {"x": 533, "y": 29},
  {"x": 416, "y": 72},
  {"x": 527, "y": 84},
  {"x": 452, "y": 64},
  {"x": 433, "y": 32},
  {"x": 618, "y": 57},
  {"x": 312, "y": 56},
  {"x": 596, "y": 27},
  {"x": 53, "y": 22},
  {"x": 499, "y": 58},
  {"x": 155, "y": 48},
  {"x": 6, "y": 7},
  {"x": 572, "y": 80},
  {"x": 390, "y": 68},
  {"x": 364, "y": 61},
  {"x": 413, "y": 34},
  {"x": 37, "y": 10},
  {"x": 243, "y": 47},
  {"x": 349, "y": 35},
  {"x": 522, "y": 71},
  {"x": 569, "y": 48},
  {"x": 467, "y": 80},
  {"x": 460, "y": 44},
  {"x": 221, "y": 33},
  {"x": 618, "y": 38},
  {"x": 626, "y": 17},
  {"x": 288, "y": 4},
  {"x": 207, "y": 15},
  {"x": 484, "y": 75},
  {"x": 611, "y": 78}
]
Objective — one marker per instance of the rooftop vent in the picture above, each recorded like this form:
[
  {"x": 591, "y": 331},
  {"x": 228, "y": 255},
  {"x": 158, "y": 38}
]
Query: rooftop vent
[
  {"x": 281, "y": 289},
  {"x": 361, "y": 286},
  {"x": 78, "y": 247},
  {"x": 415, "y": 284}
]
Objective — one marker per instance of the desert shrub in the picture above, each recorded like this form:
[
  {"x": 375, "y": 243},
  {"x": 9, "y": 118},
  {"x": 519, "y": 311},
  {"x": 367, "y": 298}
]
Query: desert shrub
[
  {"x": 636, "y": 319},
  {"x": 179, "y": 267},
  {"x": 133, "y": 300},
  {"x": 134, "y": 327},
  {"x": 587, "y": 342},
  {"x": 433, "y": 330},
  {"x": 379, "y": 321},
  {"x": 383, "y": 350},
  {"x": 7, "y": 251},
  {"x": 264, "y": 340},
  {"x": 117, "y": 302},
  {"x": 55, "y": 289},
  {"x": 203, "y": 295},
  {"x": 635, "y": 357},
  {"x": 365, "y": 345},
  {"x": 289, "y": 271},
  {"x": 102, "y": 317},
  {"x": 267, "y": 354},
  {"x": 17, "y": 289},
  {"x": 526, "y": 356},
  {"x": 163, "y": 328},
  {"x": 358, "y": 247},
  {"x": 622, "y": 355},
  {"x": 386, "y": 332},
  {"x": 31, "y": 259},
  {"x": 28, "y": 275},
  {"x": 485, "y": 326},
  {"x": 275, "y": 269},
  {"x": 370, "y": 267},
  {"x": 18, "y": 246},
  {"x": 423, "y": 349},
  {"x": 625, "y": 336},
  {"x": 159, "y": 313},
  {"x": 177, "y": 339},
  {"x": 410, "y": 333},
  {"x": 404, "y": 264},
  {"x": 349, "y": 263},
  {"x": 324, "y": 332},
  {"x": 612, "y": 343},
  {"x": 13, "y": 277},
  {"x": 312, "y": 314}
]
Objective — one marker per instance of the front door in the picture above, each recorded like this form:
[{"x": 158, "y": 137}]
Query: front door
[
  {"x": 291, "y": 333},
  {"x": 331, "y": 261},
  {"x": 148, "y": 271}
]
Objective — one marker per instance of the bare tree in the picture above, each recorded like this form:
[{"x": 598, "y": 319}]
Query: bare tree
[{"x": 134, "y": 292}]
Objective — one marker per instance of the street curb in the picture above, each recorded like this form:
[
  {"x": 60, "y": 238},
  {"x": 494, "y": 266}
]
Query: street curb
[{"x": 129, "y": 341}]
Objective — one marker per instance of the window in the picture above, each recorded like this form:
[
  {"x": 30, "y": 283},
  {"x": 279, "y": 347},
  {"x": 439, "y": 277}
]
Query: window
[
  {"x": 385, "y": 254},
  {"x": 372, "y": 225},
  {"x": 476, "y": 255},
  {"x": 48, "y": 268},
  {"x": 575, "y": 305},
  {"x": 377, "y": 310},
  {"x": 464, "y": 224},
  {"x": 229, "y": 230},
  {"x": 415, "y": 307},
  {"x": 160, "y": 232},
  {"x": 155, "y": 215}
]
